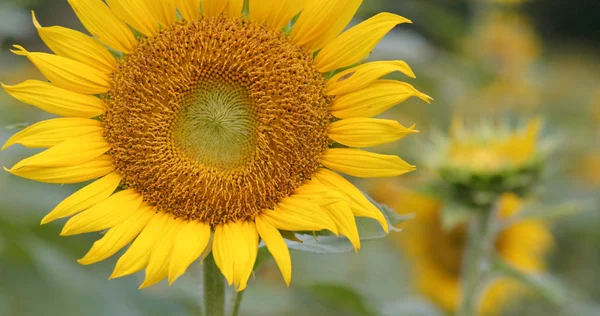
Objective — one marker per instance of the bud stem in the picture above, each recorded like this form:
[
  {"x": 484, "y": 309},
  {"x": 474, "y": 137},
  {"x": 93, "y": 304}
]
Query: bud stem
[{"x": 477, "y": 264}]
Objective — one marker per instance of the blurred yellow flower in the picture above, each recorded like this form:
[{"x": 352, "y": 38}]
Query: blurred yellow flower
[
  {"x": 588, "y": 169},
  {"x": 506, "y": 42},
  {"x": 489, "y": 149},
  {"x": 437, "y": 254}
]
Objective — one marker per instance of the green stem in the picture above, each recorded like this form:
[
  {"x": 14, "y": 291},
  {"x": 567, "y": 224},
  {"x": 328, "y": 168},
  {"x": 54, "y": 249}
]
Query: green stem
[
  {"x": 470, "y": 272},
  {"x": 477, "y": 263},
  {"x": 214, "y": 288},
  {"x": 237, "y": 302}
]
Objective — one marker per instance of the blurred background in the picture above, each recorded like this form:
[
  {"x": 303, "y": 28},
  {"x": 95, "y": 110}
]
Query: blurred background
[{"x": 495, "y": 59}]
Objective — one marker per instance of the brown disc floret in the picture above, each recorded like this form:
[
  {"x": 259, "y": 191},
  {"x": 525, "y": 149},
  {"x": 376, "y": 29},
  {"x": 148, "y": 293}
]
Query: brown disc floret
[{"x": 216, "y": 119}]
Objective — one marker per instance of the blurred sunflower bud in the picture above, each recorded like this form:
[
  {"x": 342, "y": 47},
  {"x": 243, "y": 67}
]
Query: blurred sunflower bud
[{"x": 479, "y": 164}]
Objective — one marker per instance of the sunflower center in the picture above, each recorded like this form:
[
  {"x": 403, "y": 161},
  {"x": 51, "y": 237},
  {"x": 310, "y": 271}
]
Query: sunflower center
[
  {"x": 217, "y": 119},
  {"x": 216, "y": 126}
]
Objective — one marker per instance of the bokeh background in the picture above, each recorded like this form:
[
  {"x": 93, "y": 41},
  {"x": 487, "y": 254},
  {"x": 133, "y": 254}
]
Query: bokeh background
[{"x": 509, "y": 60}]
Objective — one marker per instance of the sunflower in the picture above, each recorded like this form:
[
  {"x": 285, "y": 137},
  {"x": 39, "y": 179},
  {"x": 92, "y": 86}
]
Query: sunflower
[
  {"x": 479, "y": 163},
  {"x": 437, "y": 253},
  {"x": 492, "y": 149},
  {"x": 210, "y": 127}
]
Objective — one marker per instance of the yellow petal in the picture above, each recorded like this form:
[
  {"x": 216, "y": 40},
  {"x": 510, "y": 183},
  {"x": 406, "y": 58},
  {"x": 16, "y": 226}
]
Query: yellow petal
[
  {"x": 106, "y": 214},
  {"x": 363, "y": 75},
  {"x": 137, "y": 256},
  {"x": 356, "y": 43},
  {"x": 374, "y": 99},
  {"x": 367, "y": 132},
  {"x": 234, "y": 8},
  {"x": 192, "y": 239},
  {"x": 235, "y": 248},
  {"x": 164, "y": 11},
  {"x": 259, "y": 10},
  {"x": 189, "y": 9},
  {"x": 85, "y": 198},
  {"x": 158, "y": 264},
  {"x": 321, "y": 21},
  {"x": 70, "y": 174},
  {"x": 296, "y": 214},
  {"x": 55, "y": 100},
  {"x": 118, "y": 237},
  {"x": 213, "y": 7},
  {"x": 68, "y": 153},
  {"x": 67, "y": 73},
  {"x": 277, "y": 247},
  {"x": 223, "y": 253},
  {"x": 360, "y": 205},
  {"x": 51, "y": 132},
  {"x": 276, "y": 13},
  {"x": 103, "y": 24},
  {"x": 364, "y": 164},
  {"x": 318, "y": 193},
  {"x": 137, "y": 14},
  {"x": 76, "y": 46},
  {"x": 344, "y": 220},
  {"x": 336, "y": 22}
]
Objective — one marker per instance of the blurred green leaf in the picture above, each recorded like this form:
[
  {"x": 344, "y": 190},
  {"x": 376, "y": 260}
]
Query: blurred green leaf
[
  {"x": 545, "y": 212},
  {"x": 547, "y": 286},
  {"x": 344, "y": 299}
]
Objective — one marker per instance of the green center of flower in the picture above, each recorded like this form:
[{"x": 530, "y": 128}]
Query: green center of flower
[{"x": 216, "y": 126}]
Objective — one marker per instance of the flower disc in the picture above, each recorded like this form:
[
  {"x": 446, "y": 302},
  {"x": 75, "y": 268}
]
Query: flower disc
[{"x": 217, "y": 134}]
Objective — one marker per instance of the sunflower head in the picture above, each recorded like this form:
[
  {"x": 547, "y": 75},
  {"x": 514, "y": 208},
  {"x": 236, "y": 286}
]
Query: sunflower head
[
  {"x": 436, "y": 252},
  {"x": 479, "y": 164},
  {"x": 210, "y": 125}
]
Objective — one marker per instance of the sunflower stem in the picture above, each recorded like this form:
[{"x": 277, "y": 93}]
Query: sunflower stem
[
  {"x": 214, "y": 288},
  {"x": 237, "y": 302},
  {"x": 477, "y": 263}
]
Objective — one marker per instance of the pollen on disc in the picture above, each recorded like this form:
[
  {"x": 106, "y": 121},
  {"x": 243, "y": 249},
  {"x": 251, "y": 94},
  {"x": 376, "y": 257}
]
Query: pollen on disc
[{"x": 217, "y": 119}]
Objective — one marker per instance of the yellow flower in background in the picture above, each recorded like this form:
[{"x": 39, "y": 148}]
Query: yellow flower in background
[
  {"x": 588, "y": 169},
  {"x": 214, "y": 128},
  {"x": 505, "y": 42},
  {"x": 490, "y": 149},
  {"x": 437, "y": 253}
]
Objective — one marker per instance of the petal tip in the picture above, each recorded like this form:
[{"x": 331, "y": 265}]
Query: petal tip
[
  {"x": 117, "y": 273},
  {"x": 35, "y": 21},
  {"x": 20, "y": 50},
  {"x": 85, "y": 261},
  {"x": 47, "y": 219},
  {"x": 6, "y": 145}
]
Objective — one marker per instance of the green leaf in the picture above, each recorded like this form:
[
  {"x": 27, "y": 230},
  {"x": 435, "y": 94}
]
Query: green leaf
[
  {"x": 552, "y": 212},
  {"x": 345, "y": 300},
  {"x": 545, "y": 212},
  {"x": 547, "y": 286}
]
